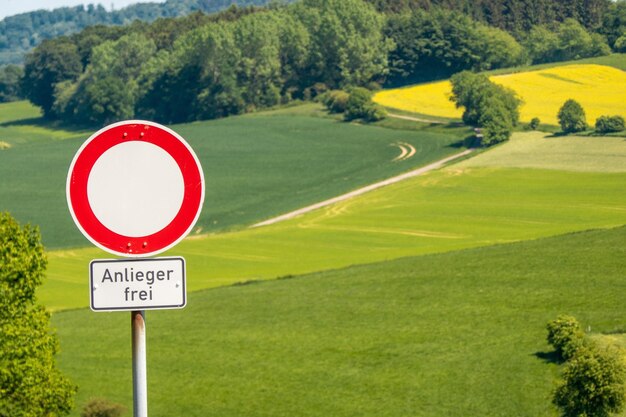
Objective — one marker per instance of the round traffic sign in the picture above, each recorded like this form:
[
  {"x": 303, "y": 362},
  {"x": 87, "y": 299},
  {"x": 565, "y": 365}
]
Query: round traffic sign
[{"x": 135, "y": 188}]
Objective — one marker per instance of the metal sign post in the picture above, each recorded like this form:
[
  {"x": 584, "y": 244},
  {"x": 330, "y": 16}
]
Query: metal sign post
[
  {"x": 135, "y": 189},
  {"x": 140, "y": 371}
]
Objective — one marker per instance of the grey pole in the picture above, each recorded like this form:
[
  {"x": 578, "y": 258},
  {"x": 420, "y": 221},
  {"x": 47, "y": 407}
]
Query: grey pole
[{"x": 140, "y": 374}]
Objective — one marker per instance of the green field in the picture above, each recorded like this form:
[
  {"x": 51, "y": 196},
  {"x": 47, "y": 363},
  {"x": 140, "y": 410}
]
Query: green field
[
  {"x": 256, "y": 166},
  {"x": 451, "y": 209},
  {"x": 425, "y": 298},
  {"x": 568, "y": 153},
  {"x": 460, "y": 333}
]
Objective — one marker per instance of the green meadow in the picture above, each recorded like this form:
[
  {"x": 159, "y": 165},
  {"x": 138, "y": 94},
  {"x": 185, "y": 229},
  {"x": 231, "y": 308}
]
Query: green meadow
[
  {"x": 454, "y": 334},
  {"x": 256, "y": 166},
  {"x": 454, "y": 208},
  {"x": 428, "y": 297}
]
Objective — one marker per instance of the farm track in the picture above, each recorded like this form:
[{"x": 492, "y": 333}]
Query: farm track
[
  {"x": 363, "y": 190},
  {"x": 416, "y": 119}
]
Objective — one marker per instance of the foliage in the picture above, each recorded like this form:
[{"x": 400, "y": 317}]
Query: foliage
[
  {"x": 487, "y": 105},
  {"x": 10, "y": 76},
  {"x": 570, "y": 41},
  {"x": 609, "y": 124},
  {"x": 593, "y": 384},
  {"x": 614, "y": 25},
  {"x": 51, "y": 63},
  {"x": 223, "y": 66},
  {"x": 565, "y": 336},
  {"x": 571, "y": 117},
  {"x": 101, "y": 407},
  {"x": 30, "y": 383},
  {"x": 534, "y": 123},
  {"x": 347, "y": 46},
  {"x": 360, "y": 106},
  {"x": 20, "y": 33},
  {"x": 107, "y": 91},
  {"x": 436, "y": 44},
  {"x": 335, "y": 100}
]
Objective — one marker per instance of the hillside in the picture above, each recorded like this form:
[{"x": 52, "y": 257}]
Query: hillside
[
  {"x": 449, "y": 334},
  {"x": 454, "y": 208},
  {"x": 22, "y": 32},
  {"x": 257, "y": 166}
]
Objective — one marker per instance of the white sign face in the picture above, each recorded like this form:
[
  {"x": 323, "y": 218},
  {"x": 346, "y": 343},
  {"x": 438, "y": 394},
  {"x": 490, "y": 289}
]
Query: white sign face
[
  {"x": 137, "y": 284},
  {"x": 135, "y": 188}
]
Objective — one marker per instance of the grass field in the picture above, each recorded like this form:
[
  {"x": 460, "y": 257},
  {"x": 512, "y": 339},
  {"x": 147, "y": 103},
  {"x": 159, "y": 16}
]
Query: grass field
[
  {"x": 256, "y": 166},
  {"x": 567, "y": 153},
  {"x": 543, "y": 91},
  {"x": 458, "y": 207},
  {"x": 460, "y": 333}
]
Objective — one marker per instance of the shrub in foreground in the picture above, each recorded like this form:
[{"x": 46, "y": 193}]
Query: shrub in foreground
[{"x": 30, "y": 382}]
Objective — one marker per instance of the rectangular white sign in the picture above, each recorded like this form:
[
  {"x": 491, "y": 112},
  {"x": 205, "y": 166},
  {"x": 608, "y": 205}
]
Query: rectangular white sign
[{"x": 137, "y": 284}]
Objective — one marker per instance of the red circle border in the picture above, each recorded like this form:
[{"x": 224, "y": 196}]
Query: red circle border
[{"x": 94, "y": 148}]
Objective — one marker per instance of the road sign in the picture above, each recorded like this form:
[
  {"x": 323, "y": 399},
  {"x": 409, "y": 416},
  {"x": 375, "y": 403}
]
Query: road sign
[
  {"x": 137, "y": 284},
  {"x": 135, "y": 188}
]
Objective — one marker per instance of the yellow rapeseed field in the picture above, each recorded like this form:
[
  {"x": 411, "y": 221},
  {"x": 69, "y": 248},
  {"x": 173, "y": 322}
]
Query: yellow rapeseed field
[{"x": 601, "y": 90}]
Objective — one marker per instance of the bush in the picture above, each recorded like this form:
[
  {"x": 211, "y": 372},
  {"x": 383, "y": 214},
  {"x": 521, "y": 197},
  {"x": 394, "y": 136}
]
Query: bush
[
  {"x": 360, "y": 106},
  {"x": 593, "y": 384},
  {"x": 534, "y": 123},
  {"x": 565, "y": 335},
  {"x": 609, "y": 124},
  {"x": 374, "y": 113},
  {"x": 335, "y": 100},
  {"x": 100, "y": 407},
  {"x": 572, "y": 117}
]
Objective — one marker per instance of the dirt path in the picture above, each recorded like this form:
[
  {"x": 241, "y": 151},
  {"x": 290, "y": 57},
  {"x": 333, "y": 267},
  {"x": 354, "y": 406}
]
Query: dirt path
[
  {"x": 371, "y": 187},
  {"x": 415, "y": 119}
]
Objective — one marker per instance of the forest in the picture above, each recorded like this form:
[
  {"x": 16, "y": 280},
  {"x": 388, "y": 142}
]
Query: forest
[
  {"x": 204, "y": 66},
  {"x": 22, "y": 32}
]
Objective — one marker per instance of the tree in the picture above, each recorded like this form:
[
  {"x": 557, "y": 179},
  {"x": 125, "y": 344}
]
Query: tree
[
  {"x": 565, "y": 335},
  {"x": 609, "y": 124},
  {"x": 347, "y": 46},
  {"x": 487, "y": 105},
  {"x": 30, "y": 383},
  {"x": 572, "y": 117},
  {"x": 542, "y": 45},
  {"x": 52, "y": 62},
  {"x": 437, "y": 43},
  {"x": 593, "y": 384},
  {"x": 108, "y": 89},
  {"x": 10, "y": 83}
]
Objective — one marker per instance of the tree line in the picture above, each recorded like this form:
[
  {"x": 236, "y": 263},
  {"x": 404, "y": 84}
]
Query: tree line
[
  {"x": 207, "y": 66},
  {"x": 20, "y": 33}
]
